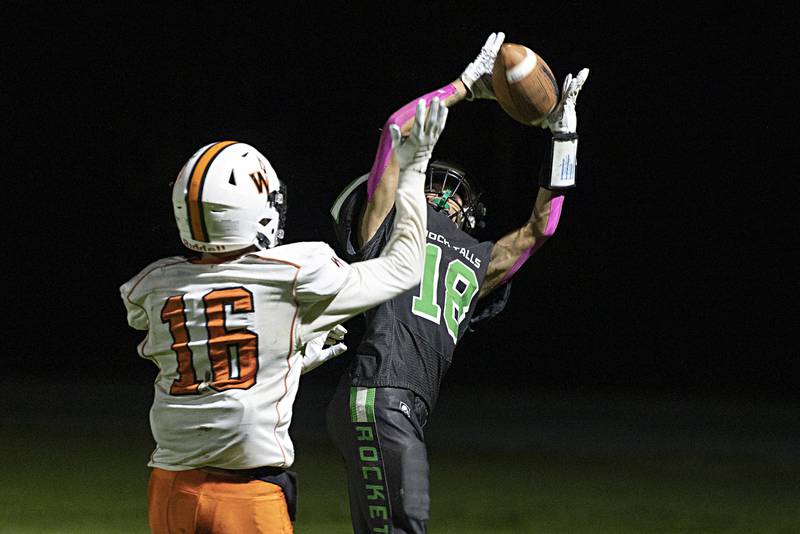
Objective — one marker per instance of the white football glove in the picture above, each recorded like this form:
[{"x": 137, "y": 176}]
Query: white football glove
[
  {"x": 563, "y": 119},
  {"x": 477, "y": 77},
  {"x": 415, "y": 150},
  {"x": 563, "y": 125},
  {"x": 314, "y": 353}
]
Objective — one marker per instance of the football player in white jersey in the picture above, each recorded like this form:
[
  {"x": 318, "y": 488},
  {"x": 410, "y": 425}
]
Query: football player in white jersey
[{"x": 228, "y": 328}]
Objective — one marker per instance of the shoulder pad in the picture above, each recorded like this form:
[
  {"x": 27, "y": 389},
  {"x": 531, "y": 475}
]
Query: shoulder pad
[{"x": 322, "y": 272}]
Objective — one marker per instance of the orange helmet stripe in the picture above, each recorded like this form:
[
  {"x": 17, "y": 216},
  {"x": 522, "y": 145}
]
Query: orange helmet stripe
[{"x": 194, "y": 190}]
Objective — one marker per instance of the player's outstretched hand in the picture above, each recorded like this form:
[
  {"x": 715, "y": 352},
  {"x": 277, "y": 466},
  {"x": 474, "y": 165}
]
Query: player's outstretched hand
[
  {"x": 477, "y": 77},
  {"x": 415, "y": 150},
  {"x": 315, "y": 353},
  {"x": 563, "y": 119}
]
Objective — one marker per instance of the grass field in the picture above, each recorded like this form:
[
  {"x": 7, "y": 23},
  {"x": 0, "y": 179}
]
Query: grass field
[{"x": 571, "y": 468}]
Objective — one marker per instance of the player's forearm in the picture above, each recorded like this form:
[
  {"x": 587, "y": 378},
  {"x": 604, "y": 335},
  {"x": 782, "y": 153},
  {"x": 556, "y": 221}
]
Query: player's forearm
[
  {"x": 379, "y": 206},
  {"x": 404, "y": 117},
  {"x": 514, "y": 249},
  {"x": 382, "y": 181},
  {"x": 455, "y": 92},
  {"x": 399, "y": 267}
]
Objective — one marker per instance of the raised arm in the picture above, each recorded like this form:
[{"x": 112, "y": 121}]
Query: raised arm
[
  {"x": 513, "y": 250},
  {"x": 399, "y": 267},
  {"x": 474, "y": 82}
]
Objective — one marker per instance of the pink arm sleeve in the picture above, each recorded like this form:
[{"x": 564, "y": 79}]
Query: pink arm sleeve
[
  {"x": 399, "y": 117},
  {"x": 550, "y": 229}
]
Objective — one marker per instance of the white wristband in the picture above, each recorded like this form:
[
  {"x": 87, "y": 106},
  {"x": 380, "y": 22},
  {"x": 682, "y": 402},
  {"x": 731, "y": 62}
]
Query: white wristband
[{"x": 563, "y": 163}]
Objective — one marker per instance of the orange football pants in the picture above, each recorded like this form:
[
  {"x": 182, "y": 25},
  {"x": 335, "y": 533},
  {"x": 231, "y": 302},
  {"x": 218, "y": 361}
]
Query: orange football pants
[{"x": 196, "y": 501}]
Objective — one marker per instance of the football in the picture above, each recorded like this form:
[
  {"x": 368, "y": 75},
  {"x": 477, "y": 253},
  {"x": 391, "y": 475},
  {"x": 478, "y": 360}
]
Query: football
[{"x": 523, "y": 84}]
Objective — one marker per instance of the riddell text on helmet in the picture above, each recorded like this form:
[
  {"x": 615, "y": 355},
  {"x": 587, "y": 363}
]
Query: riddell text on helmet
[{"x": 203, "y": 247}]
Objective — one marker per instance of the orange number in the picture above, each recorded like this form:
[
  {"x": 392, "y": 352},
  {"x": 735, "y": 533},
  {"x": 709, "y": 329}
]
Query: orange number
[
  {"x": 174, "y": 314},
  {"x": 233, "y": 353},
  {"x": 229, "y": 347}
]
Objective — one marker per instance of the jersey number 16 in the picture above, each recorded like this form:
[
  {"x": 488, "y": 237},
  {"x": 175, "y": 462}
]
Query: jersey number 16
[{"x": 233, "y": 353}]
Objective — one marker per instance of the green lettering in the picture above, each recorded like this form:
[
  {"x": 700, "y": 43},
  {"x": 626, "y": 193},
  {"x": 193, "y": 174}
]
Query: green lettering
[
  {"x": 374, "y": 469},
  {"x": 375, "y": 492},
  {"x": 456, "y": 303},
  {"x": 378, "y": 511},
  {"x": 364, "y": 433},
  {"x": 368, "y": 454},
  {"x": 425, "y": 304}
]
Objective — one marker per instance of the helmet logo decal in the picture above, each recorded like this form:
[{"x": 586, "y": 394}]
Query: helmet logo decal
[
  {"x": 194, "y": 190},
  {"x": 261, "y": 182}
]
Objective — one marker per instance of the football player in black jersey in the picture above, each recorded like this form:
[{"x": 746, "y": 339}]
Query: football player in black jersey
[{"x": 382, "y": 403}]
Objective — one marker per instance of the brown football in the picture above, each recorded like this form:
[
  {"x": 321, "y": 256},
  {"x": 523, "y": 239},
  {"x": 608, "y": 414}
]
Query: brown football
[{"x": 523, "y": 84}]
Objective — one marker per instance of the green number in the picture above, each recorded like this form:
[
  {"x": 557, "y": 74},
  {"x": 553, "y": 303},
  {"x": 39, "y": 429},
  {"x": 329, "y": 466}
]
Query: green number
[
  {"x": 456, "y": 302},
  {"x": 425, "y": 304}
]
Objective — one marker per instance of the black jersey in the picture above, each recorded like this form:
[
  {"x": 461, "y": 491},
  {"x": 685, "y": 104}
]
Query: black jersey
[{"x": 409, "y": 341}]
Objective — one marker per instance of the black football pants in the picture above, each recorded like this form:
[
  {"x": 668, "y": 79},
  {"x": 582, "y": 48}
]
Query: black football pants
[{"x": 379, "y": 433}]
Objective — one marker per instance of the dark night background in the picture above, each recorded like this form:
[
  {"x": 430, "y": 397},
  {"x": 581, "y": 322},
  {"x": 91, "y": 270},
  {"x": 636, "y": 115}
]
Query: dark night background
[{"x": 670, "y": 270}]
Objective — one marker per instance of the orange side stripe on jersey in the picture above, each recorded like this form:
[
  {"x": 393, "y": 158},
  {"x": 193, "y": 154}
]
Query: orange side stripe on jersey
[
  {"x": 194, "y": 190},
  {"x": 288, "y": 364},
  {"x": 285, "y": 262}
]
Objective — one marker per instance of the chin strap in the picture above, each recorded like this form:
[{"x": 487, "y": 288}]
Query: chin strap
[{"x": 441, "y": 201}]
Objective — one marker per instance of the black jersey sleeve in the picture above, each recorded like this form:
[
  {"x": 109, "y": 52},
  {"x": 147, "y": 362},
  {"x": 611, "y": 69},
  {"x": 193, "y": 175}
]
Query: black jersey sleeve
[
  {"x": 346, "y": 216},
  {"x": 491, "y": 305}
]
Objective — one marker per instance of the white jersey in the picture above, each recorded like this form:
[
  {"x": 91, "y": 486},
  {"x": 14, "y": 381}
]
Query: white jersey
[{"x": 226, "y": 337}]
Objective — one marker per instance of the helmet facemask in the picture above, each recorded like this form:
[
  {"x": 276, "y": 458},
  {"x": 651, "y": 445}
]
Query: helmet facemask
[
  {"x": 270, "y": 231},
  {"x": 450, "y": 184}
]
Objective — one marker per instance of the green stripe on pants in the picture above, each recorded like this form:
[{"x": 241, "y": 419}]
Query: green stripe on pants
[
  {"x": 370, "y": 405},
  {"x": 362, "y": 405},
  {"x": 353, "y": 414}
]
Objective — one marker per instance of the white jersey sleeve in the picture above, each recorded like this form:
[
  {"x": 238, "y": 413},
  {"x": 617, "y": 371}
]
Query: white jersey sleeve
[
  {"x": 321, "y": 273},
  {"x": 133, "y": 296},
  {"x": 137, "y": 317},
  {"x": 396, "y": 270}
]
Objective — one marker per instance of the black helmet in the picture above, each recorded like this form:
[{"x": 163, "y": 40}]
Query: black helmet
[{"x": 448, "y": 180}]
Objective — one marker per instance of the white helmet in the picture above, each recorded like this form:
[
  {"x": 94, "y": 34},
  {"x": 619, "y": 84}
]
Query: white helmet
[{"x": 228, "y": 197}]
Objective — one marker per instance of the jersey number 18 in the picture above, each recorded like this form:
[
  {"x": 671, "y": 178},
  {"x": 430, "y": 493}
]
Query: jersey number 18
[{"x": 460, "y": 287}]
